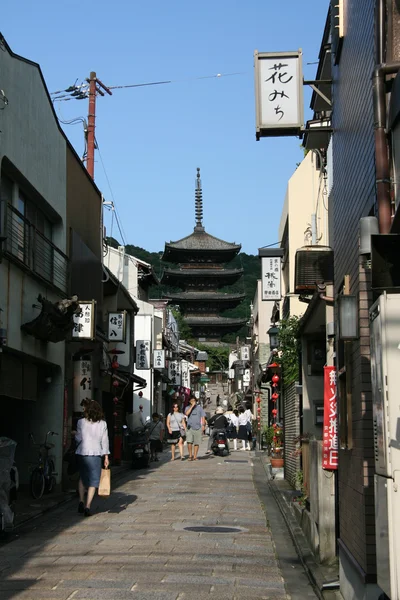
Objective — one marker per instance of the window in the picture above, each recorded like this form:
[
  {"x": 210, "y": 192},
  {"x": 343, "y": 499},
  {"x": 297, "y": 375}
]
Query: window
[{"x": 29, "y": 235}]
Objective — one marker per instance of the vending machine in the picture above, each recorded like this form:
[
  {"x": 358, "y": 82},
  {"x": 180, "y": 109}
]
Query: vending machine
[{"x": 385, "y": 372}]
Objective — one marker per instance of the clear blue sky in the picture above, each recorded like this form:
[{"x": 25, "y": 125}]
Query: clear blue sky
[{"x": 152, "y": 139}]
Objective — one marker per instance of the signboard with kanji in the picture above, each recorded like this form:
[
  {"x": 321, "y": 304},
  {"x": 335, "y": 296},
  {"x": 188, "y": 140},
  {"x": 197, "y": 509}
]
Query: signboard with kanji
[
  {"x": 117, "y": 326},
  {"x": 279, "y": 93},
  {"x": 185, "y": 374},
  {"x": 330, "y": 448},
  {"x": 159, "y": 359},
  {"x": 142, "y": 355},
  {"x": 271, "y": 277},
  {"x": 84, "y": 326},
  {"x": 82, "y": 382},
  {"x": 245, "y": 353},
  {"x": 174, "y": 372}
]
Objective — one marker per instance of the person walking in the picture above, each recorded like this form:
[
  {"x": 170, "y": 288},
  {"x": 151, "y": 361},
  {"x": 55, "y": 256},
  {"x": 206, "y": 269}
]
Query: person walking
[
  {"x": 155, "y": 436},
  {"x": 195, "y": 426},
  {"x": 91, "y": 437},
  {"x": 243, "y": 433},
  {"x": 250, "y": 419},
  {"x": 233, "y": 419},
  {"x": 176, "y": 426}
]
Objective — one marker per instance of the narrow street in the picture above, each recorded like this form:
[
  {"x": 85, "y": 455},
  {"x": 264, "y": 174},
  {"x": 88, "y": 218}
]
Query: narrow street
[{"x": 146, "y": 541}]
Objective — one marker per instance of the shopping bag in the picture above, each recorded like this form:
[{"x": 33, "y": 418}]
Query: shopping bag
[{"x": 105, "y": 483}]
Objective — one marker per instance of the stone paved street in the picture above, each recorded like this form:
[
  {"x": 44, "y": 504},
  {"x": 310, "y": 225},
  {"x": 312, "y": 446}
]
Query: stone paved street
[{"x": 137, "y": 546}]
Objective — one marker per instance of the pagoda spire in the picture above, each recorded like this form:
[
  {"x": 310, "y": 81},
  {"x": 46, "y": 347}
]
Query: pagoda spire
[{"x": 199, "y": 203}]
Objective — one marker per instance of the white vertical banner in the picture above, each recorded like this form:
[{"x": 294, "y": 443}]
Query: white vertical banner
[
  {"x": 84, "y": 325},
  {"x": 142, "y": 355},
  {"x": 174, "y": 372},
  {"x": 82, "y": 382},
  {"x": 245, "y": 353},
  {"x": 159, "y": 359},
  {"x": 117, "y": 326},
  {"x": 185, "y": 374},
  {"x": 271, "y": 278}
]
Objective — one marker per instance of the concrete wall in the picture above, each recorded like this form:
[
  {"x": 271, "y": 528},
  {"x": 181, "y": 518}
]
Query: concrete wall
[
  {"x": 303, "y": 198},
  {"x": 84, "y": 206},
  {"x": 33, "y": 151}
]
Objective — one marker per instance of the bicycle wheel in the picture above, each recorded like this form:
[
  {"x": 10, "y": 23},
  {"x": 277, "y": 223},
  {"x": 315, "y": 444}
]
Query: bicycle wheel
[
  {"x": 37, "y": 483},
  {"x": 50, "y": 480}
]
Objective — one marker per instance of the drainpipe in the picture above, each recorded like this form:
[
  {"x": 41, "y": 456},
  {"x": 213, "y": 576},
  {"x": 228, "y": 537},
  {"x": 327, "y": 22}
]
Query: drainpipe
[{"x": 379, "y": 100}]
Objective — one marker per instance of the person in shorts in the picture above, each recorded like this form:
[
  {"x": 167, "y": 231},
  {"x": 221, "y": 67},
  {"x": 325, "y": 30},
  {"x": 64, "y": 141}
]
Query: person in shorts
[{"x": 195, "y": 426}]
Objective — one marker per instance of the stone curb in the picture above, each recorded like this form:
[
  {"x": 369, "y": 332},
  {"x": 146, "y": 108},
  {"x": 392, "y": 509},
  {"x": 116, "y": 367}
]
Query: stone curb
[{"x": 311, "y": 567}]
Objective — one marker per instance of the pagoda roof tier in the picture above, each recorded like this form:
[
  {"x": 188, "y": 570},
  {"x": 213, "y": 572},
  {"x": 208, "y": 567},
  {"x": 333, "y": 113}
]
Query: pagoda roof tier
[
  {"x": 200, "y": 246},
  {"x": 200, "y": 297},
  {"x": 221, "y": 277},
  {"x": 218, "y": 322}
]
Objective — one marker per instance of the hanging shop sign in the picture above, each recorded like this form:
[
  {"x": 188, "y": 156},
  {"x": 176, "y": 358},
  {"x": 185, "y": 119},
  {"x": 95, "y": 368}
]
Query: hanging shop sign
[
  {"x": 185, "y": 374},
  {"x": 271, "y": 278},
  {"x": 246, "y": 376},
  {"x": 174, "y": 372},
  {"x": 142, "y": 355},
  {"x": 245, "y": 353},
  {"x": 117, "y": 326},
  {"x": 159, "y": 359},
  {"x": 82, "y": 382},
  {"x": 122, "y": 348},
  {"x": 84, "y": 325},
  {"x": 279, "y": 93},
  {"x": 330, "y": 450}
]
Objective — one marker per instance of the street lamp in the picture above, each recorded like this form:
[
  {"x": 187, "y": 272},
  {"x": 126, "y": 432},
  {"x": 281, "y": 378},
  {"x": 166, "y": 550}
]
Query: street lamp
[{"x": 273, "y": 337}]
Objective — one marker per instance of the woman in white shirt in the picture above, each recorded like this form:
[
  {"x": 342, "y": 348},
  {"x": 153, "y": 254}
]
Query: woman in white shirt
[
  {"x": 233, "y": 419},
  {"x": 92, "y": 443}
]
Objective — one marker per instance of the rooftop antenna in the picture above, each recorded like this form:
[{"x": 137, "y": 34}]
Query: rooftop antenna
[{"x": 199, "y": 203}]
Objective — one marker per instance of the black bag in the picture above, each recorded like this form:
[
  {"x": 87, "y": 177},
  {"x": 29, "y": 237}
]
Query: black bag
[
  {"x": 72, "y": 459},
  {"x": 173, "y": 437}
]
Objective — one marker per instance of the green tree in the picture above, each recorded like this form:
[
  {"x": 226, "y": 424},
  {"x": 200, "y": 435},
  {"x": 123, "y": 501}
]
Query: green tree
[{"x": 289, "y": 346}]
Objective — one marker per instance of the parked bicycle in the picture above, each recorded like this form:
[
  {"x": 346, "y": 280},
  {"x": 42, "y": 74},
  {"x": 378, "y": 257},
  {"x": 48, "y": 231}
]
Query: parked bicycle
[{"x": 43, "y": 477}]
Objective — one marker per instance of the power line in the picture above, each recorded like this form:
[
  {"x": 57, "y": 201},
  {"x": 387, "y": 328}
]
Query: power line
[
  {"x": 114, "y": 209},
  {"x": 81, "y": 91}
]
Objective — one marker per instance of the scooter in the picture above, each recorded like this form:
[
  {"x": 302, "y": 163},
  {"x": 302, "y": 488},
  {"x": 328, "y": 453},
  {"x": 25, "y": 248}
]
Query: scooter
[
  {"x": 220, "y": 444},
  {"x": 9, "y": 483},
  {"x": 138, "y": 441}
]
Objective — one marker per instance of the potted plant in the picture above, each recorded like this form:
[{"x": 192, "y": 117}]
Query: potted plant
[
  {"x": 268, "y": 435},
  {"x": 277, "y": 459}
]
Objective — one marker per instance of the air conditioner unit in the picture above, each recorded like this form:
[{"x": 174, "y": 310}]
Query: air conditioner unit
[{"x": 313, "y": 264}]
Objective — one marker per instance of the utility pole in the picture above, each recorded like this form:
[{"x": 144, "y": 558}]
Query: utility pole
[{"x": 95, "y": 87}]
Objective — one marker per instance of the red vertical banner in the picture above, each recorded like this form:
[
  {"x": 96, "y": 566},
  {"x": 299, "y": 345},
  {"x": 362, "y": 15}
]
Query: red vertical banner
[{"x": 330, "y": 451}]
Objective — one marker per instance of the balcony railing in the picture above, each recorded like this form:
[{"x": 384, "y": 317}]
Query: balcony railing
[{"x": 28, "y": 246}]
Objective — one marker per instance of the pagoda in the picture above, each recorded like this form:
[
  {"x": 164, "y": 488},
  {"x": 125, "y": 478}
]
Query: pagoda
[{"x": 200, "y": 273}]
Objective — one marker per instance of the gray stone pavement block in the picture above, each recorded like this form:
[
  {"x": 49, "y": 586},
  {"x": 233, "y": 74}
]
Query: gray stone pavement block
[
  {"x": 98, "y": 584},
  {"x": 189, "y": 578},
  {"x": 36, "y": 594},
  {"x": 85, "y": 559},
  {"x": 148, "y": 594}
]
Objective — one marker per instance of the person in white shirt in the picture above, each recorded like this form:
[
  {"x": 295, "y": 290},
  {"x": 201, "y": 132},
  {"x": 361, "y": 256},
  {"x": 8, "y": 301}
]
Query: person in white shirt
[
  {"x": 233, "y": 419},
  {"x": 91, "y": 437},
  {"x": 243, "y": 433}
]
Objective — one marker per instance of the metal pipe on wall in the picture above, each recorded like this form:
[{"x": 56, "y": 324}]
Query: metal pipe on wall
[{"x": 382, "y": 177}]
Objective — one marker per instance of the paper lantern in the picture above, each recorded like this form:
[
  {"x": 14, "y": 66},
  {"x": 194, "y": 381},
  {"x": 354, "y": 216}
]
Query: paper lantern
[
  {"x": 258, "y": 409},
  {"x": 258, "y": 400},
  {"x": 115, "y": 383},
  {"x": 275, "y": 396},
  {"x": 275, "y": 378}
]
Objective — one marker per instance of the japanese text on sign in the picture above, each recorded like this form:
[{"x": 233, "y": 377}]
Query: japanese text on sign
[
  {"x": 84, "y": 321},
  {"x": 174, "y": 372},
  {"x": 330, "y": 449},
  {"x": 159, "y": 359},
  {"x": 143, "y": 354},
  {"x": 82, "y": 382},
  {"x": 279, "y": 91},
  {"x": 116, "y": 326},
  {"x": 271, "y": 278},
  {"x": 185, "y": 374}
]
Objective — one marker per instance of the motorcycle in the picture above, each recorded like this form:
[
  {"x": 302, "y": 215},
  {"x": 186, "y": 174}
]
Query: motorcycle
[
  {"x": 220, "y": 444},
  {"x": 138, "y": 441},
  {"x": 9, "y": 483}
]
